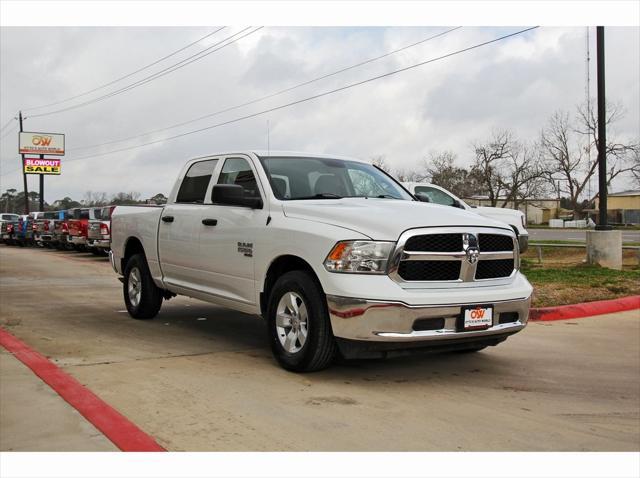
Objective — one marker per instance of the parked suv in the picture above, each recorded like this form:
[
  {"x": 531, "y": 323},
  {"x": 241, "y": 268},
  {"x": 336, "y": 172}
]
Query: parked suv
[{"x": 332, "y": 252}]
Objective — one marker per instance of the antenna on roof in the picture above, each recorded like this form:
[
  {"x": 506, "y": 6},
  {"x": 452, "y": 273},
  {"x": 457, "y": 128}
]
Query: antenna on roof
[{"x": 268, "y": 140}]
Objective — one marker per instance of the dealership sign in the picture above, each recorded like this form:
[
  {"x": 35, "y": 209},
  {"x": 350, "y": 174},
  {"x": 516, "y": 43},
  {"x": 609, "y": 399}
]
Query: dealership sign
[
  {"x": 42, "y": 166},
  {"x": 42, "y": 143}
]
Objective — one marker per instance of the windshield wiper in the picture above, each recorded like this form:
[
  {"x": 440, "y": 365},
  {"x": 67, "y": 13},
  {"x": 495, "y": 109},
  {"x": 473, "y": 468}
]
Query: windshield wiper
[
  {"x": 321, "y": 196},
  {"x": 386, "y": 196}
]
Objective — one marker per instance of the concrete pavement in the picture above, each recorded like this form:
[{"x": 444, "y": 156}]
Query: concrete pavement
[{"x": 199, "y": 377}]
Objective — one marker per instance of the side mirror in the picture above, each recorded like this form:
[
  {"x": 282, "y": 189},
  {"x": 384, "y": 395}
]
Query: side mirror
[
  {"x": 233, "y": 195},
  {"x": 458, "y": 204},
  {"x": 422, "y": 197}
]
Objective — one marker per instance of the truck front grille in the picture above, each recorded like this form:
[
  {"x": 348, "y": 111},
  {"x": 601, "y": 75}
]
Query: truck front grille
[
  {"x": 434, "y": 243},
  {"x": 432, "y": 271},
  {"x": 494, "y": 269},
  {"x": 454, "y": 255},
  {"x": 494, "y": 242}
]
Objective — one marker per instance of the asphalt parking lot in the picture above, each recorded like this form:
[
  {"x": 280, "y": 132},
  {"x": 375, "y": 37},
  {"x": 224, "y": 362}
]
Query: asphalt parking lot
[{"x": 199, "y": 377}]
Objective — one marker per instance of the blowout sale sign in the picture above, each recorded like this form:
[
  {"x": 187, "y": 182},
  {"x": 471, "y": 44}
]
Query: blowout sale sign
[{"x": 42, "y": 166}]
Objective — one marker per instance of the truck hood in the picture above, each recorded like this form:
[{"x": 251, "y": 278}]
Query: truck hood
[
  {"x": 383, "y": 219},
  {"x": 497, "y": 211}
]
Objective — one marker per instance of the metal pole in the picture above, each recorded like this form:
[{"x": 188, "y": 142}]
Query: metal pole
[
  {"x": 24, "y": 175},
  {"x": 602, "y": 136},
  {"x": 41, "y": 188}
]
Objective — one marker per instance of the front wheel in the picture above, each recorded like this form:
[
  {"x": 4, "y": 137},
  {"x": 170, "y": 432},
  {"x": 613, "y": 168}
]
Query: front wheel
[
  {"x": 298, "y": 323},
  {"x": 142, "y": 296}
]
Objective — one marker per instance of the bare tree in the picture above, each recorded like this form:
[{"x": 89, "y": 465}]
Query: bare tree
[
  {"x": 508, "y": 170},
  {"x": 635, "y": 167},
  {"x": 380, "y": 162},
  {"x": 95, "y": 199},
  {"x": 489, "y": 164},
  {"x": 569, "y": 148},
  {"x": 443, "y": 171}
]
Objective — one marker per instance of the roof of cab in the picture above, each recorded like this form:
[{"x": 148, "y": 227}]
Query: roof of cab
[{"x": 283, "y": 154}]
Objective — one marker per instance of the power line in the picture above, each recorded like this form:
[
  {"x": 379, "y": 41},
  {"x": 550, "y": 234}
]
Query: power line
[
  {"x": 161, "y": 73},
  {"x": 309, "y": 98},
  {"x": 9, "y": 131},
  {"x": 127, "y": 75},
  {"x": 7, "y": 124},
  {"x": 271, "y": 95}
]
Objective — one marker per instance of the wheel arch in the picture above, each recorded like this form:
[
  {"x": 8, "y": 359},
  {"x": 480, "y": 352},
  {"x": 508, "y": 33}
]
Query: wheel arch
[
  {"x": 132, "y": 246},
  {"x": 279, "y": 266}
]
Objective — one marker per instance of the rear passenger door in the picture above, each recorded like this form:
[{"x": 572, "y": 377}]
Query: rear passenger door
[
  {"x": 228, "y": 248},
  {"x": 180, "y": 226}
]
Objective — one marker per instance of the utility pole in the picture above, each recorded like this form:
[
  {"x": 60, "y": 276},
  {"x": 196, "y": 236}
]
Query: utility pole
[
  {"x": 604, "y": 245},
  {"x": 602, "y": 137},
  {"x": 24, "y": 175}
]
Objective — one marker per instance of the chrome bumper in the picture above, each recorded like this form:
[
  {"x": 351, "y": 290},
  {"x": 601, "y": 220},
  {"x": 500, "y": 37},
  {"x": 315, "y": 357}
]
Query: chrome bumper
[
  {"x": 112, "y": 261},
  {"x": 101, "y": 243},
  {"x": 379, "y": 321},
  {"x": 78, "y": 240}
]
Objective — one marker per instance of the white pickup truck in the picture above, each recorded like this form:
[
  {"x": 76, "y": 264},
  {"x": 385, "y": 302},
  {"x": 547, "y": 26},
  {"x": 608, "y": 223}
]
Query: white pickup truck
[
  {"x": 332, "y": 252},
  {"x": 435, "y": 194}
]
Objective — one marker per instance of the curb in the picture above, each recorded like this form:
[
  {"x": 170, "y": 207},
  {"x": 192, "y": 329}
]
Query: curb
[
  {"x": 586, "y": 309},
  {"x": 123, "y": 433}
]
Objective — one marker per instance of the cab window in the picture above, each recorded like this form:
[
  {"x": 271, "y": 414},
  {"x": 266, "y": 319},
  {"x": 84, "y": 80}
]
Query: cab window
[
  {"x": 435, "y": 195},
  {"x": 237, "y": 171},
  {"x": 194, "y": 185}
]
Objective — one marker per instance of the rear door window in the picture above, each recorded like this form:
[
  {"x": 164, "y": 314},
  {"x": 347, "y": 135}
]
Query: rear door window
[{"x": 194, "y": 185}]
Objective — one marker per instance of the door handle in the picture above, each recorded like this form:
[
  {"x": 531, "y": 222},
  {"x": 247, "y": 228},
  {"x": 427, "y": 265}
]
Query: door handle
[
  {"x": 209, "y": 222},
  {"x": 167, "y": 218}
]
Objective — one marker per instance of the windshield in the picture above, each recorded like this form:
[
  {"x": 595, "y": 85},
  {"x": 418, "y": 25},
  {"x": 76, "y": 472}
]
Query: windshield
[{"x": 324, "y": 178}]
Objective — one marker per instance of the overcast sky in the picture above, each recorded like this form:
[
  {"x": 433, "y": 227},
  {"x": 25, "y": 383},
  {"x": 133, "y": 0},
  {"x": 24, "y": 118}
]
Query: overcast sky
[{"x": 517, "y": 83}]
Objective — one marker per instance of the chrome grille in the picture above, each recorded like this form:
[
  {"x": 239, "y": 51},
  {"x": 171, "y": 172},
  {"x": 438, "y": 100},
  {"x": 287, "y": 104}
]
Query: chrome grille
[
  {"x": 454, "y": 255},
  {"x": 434, "y": 243}
]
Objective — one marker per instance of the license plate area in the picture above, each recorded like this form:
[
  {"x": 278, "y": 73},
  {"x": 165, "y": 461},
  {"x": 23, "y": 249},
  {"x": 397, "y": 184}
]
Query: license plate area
[{"x": 475, "y": 317}]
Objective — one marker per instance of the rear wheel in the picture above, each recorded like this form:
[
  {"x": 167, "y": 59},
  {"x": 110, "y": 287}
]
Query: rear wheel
[
  {"x": 142, "y": 296},
  {"x": 298, "y": 323}
]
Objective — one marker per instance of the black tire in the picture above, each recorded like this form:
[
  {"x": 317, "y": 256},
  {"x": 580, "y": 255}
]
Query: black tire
[
  {"x": 150, "y": 299},
  {"x": 319, "y": 348},
  {"x": 95, "y": 251}
]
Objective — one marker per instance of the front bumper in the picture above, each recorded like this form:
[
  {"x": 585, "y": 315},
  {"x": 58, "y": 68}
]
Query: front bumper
[{"x": 382, "y": 321}]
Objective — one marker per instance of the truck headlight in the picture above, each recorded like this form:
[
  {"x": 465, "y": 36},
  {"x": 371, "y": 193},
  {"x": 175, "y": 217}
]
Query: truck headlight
[{"x": 360, "y": 257}]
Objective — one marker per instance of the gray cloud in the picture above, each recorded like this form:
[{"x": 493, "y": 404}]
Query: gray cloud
[{"x": 447, "y": 104}]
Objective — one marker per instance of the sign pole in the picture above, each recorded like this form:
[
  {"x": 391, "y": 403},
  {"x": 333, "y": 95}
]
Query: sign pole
[
  {"x": 41, "y": 188},
  {"x": 24, "y": 174}
]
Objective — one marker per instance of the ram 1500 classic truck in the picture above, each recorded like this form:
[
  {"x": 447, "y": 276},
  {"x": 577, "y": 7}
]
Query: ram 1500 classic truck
[
  {"x": 436, "y": 194},
  {"x": 332, "y": 252}
]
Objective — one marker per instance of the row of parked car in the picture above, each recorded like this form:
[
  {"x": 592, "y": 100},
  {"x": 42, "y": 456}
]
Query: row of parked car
[{"x": 80, "y": 229}]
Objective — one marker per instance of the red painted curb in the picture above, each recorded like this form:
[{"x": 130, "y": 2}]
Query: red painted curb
[
  {"x": 117, "y": 428},
  {"x": 586, "y": 309}
]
